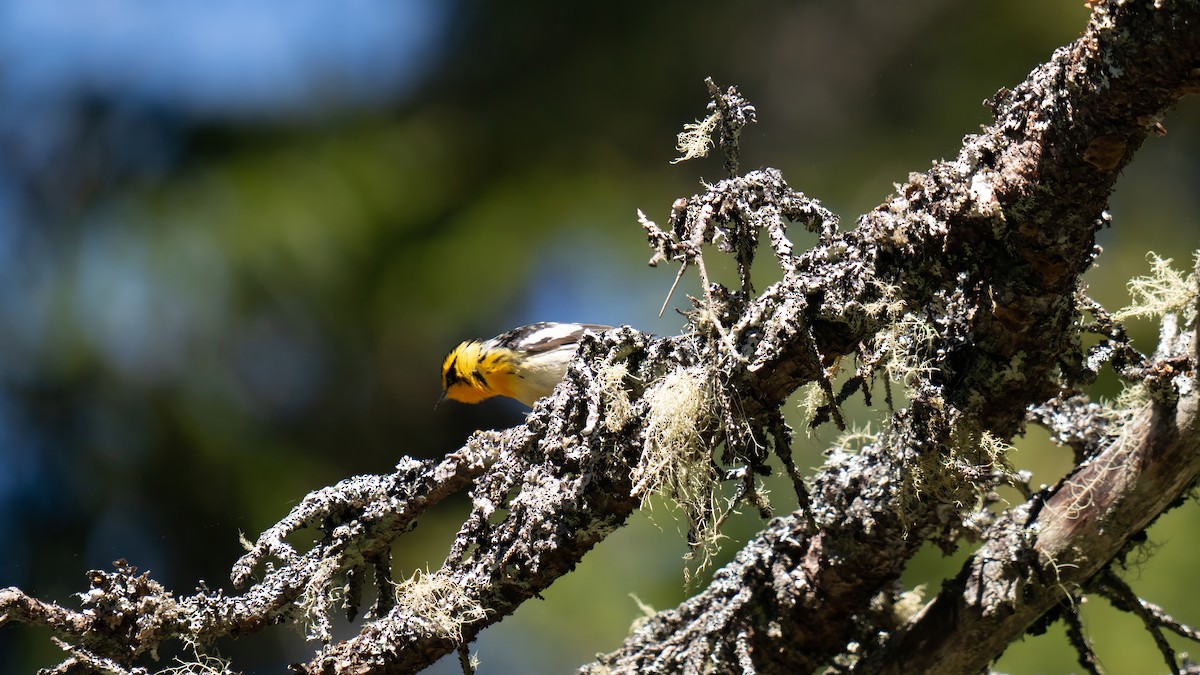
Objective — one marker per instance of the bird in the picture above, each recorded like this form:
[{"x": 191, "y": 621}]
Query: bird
[{"x": 524, "y": 363}]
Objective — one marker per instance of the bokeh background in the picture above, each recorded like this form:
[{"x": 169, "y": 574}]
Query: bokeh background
[{"x": 237, "y": 238}]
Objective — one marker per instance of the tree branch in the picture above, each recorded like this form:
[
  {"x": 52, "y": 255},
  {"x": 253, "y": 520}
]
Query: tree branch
[{"x": 993, "y": 244}]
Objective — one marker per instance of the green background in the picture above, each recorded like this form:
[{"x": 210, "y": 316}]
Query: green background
[{"x": 217, "y": 312}]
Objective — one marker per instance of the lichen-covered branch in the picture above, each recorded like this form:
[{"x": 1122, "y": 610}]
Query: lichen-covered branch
[
  {"x": 1042, "y": 550},
  {"x": 987, "y": 249},
  {"x": 1066, "y": 538}
]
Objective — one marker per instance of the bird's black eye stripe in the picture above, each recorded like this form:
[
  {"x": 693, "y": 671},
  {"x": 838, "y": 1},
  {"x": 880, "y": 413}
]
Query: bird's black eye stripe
[
  {"x": 478, "y": 378},
  {"x": 452, "y": 372}
]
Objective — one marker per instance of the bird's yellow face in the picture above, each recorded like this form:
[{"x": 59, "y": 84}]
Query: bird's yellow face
[
  {"x": 470, "y": 375},
  {"x": 460, "y": 379}
]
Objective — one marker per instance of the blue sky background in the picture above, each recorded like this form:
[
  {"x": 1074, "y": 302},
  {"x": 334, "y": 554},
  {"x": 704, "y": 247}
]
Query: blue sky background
[{"x": 220, "y": 58}]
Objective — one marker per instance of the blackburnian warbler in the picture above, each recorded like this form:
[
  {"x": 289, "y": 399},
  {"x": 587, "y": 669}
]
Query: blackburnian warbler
[{"x": 525, "y": 363}]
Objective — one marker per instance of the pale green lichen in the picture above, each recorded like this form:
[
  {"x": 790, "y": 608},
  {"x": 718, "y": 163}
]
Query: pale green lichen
[
  {"x": 440, "y": 604},
  {"x": 812, "y": 398},
  {"x": 647, "y": 613},
  {"x": 611, "y": 383},
  {"x": 854, "y": 439},
  {"x": 966, "y": 470},
  {"x": 889, "y": 304},
  {"x": 1165, "y": 290},
  {"x": 199, "y": 664},
  {"x": 695, "y": 140},
  {"x": 320, "y": 594},
  {"x": 676, "y": 458},
  {"x": 903, "y": 347},
  {"x": 1133, "y": 397}
]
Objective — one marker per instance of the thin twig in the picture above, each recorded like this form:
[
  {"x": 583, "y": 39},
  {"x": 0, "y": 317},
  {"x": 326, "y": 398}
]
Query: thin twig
[
  {"x": 1083, "y": 647},
  {"x": 1122, "y": 596}
]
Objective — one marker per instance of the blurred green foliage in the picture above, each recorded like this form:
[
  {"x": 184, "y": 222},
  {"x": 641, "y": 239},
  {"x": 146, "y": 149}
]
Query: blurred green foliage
[{"x": 260, "y": 311}]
